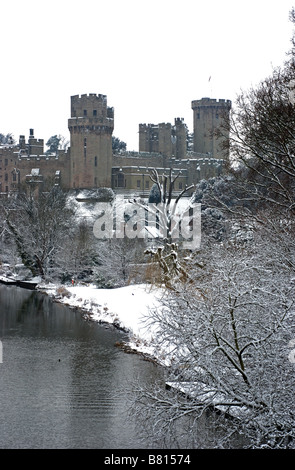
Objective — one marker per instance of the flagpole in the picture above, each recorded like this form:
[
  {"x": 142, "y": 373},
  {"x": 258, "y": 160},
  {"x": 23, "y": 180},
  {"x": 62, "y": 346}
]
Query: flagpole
[{"x": 210, "y": 83}]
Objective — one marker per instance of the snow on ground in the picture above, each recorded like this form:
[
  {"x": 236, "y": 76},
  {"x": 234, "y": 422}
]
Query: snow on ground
[{"x": 126, "y": 307}]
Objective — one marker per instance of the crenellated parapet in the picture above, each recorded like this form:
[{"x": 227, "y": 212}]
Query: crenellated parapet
[
  {"x": 90, "y": 105},
  {"x": 211, "y": 102},
  {"x": 90, "y": 114}
]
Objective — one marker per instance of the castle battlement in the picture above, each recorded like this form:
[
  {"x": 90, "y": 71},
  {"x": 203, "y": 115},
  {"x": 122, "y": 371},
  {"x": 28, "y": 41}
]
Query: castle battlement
[
  {"x": 91, "y": 105},
  {"x": 90, "y": 95},
  {"x": 21, "y": 155},
  {"x": 203, "y": 102}
]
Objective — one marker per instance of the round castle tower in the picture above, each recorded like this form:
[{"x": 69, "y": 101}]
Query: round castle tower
[
  {"x": 91, "y": 126},
  {"x": 209, "y": 115}
]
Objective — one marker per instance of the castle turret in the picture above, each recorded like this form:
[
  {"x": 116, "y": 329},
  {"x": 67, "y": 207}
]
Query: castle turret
[
  {"x": 209, "y": 116},
  {"x": 35, "y": 146},
  {"x": 164, "y": 138},
  {"x": 179, "y": 137},
  {"x": 91, "y": 126}
]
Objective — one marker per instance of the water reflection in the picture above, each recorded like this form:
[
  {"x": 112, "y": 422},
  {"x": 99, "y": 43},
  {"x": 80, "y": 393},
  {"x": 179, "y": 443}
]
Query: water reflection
[{"x": 63, "y": 382}]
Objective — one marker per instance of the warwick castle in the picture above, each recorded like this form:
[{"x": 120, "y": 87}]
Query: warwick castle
[{"x": 90, "y": 162}]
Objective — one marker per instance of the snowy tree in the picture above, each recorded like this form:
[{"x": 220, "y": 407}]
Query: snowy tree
[
  {"x": 7, "y": 139},
  {"x": 56, "y": 143},
  {"x": 226, "y": 335},
  {"x": 262, "y": 140},
  {"x": 155, "y": 194},
  {"x": 118, "y": 145},
  {"x": 164, "y": 209},
  {"x": 117, "y": 260},
  {"x": 38, "y": 225},
  {"x": 79, "y": 255},
  {"x": 225, "y": 332}
]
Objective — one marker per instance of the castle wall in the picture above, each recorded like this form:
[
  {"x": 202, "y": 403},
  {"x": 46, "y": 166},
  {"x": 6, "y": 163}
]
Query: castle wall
[
  {"x": 136, "y": 179},
  {"x": 48, "y": 167},
  {"x": 16, "y": 167},
  {"x": 147, "y": 159},
  {"x": 7, "y": 164},
  {"x": 90, "y": 163}
]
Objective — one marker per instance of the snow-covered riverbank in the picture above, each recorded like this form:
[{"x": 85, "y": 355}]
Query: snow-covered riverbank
[{"x": 125, "y": 307}]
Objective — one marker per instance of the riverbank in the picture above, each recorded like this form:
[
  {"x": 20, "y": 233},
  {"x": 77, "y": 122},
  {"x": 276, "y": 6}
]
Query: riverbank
[{"x": 126, "y": 308}]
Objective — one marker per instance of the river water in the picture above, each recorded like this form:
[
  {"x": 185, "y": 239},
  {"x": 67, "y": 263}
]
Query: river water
[{"x": 63, "y": 382}]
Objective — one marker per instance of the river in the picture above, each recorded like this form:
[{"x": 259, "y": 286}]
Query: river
[{"x": 63, "y": 382}]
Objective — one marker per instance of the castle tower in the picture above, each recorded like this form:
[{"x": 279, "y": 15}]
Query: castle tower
[
  {"x": 164, "y": 138},
  {"x": 180, "y": 132},
  {"x": 91, "y": 126},
  {"x": 209, "y": 115}
]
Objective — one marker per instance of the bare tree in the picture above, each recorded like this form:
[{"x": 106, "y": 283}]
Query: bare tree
[
  {"x": 226, "y": 337},
  {"x": 38, "y": 225},
  {"x": 164, "y": 211},
  {"x": 78, "y": 257},
  {"x": 117, "y": 261}
]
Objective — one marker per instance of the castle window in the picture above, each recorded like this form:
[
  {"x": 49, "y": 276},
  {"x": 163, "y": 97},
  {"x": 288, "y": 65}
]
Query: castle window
[
  {"x": 6, "y": 177},
  {"x": 85, "y": 144},
  {"x": 198, "y": 116},
  {"x": 95, "y": 161},
  {"x": 217, "y": 116},
  {"x": 94, "y": 112},
  {"x": 85, "y": 112},
  {"x": 180, "y": 185},
  {"x": 147, "y": 184},
  {"x": 95, "y": 181},
  {"x": 138, "y": 183}
]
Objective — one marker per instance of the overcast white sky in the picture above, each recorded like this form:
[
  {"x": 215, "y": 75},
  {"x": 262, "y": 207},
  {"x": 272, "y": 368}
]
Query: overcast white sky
[{"x": 151, "y": 58}]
